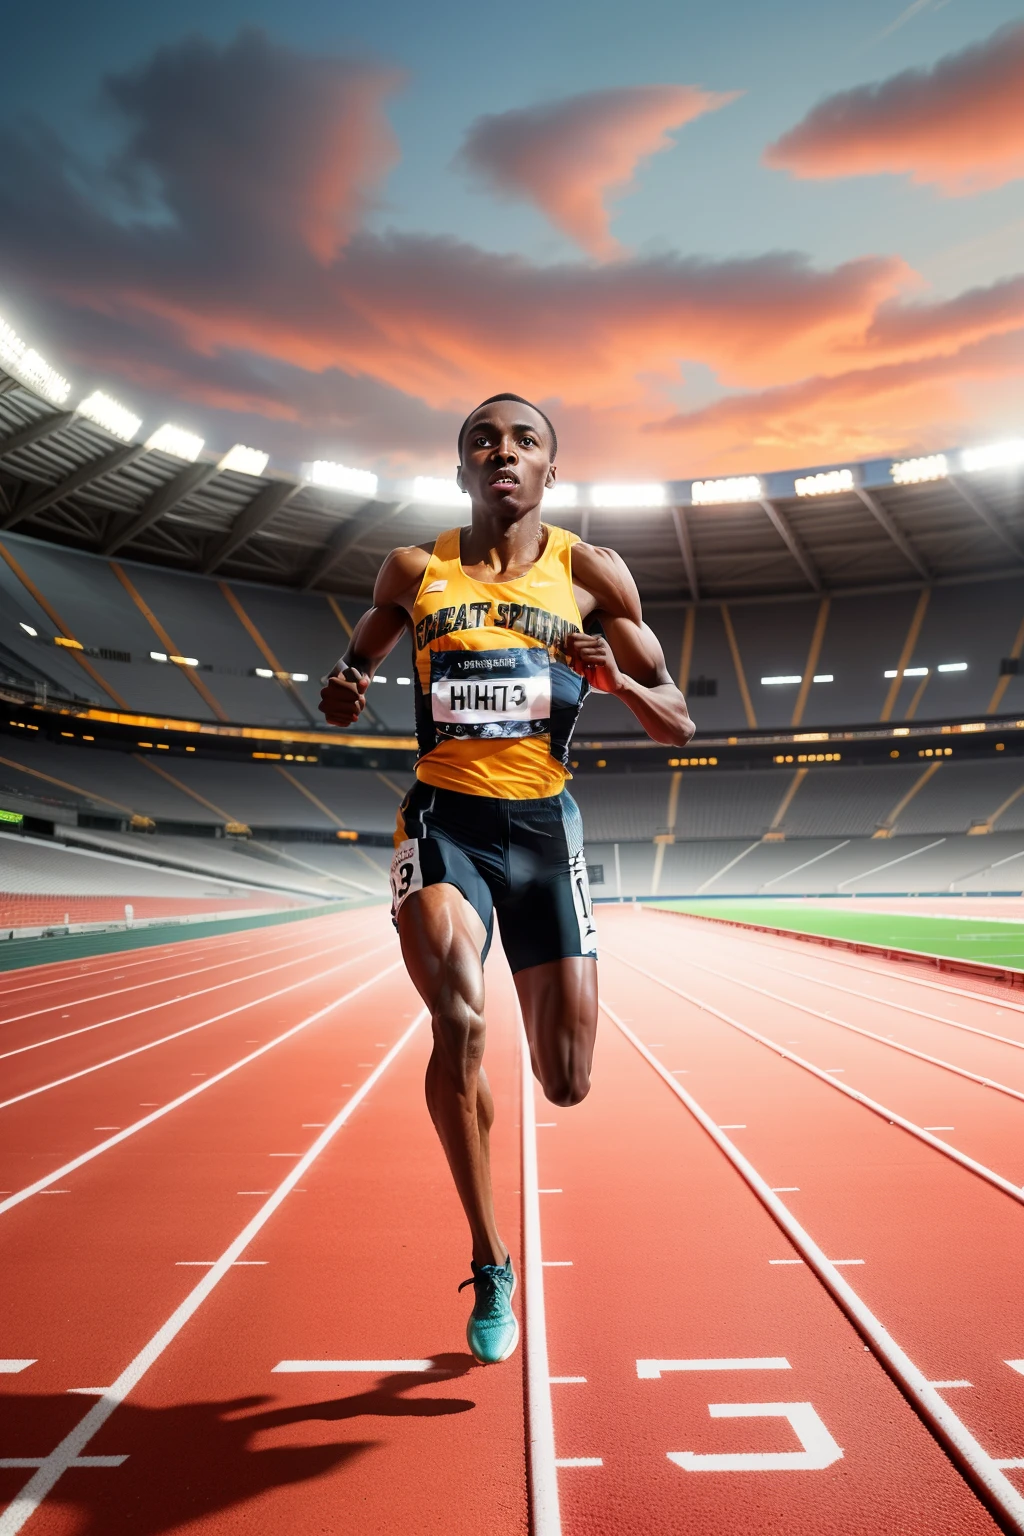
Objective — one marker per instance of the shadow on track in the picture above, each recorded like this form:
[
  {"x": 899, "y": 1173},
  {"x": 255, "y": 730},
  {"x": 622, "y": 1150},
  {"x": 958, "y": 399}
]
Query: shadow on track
[{"x": 197, "y": 1459}]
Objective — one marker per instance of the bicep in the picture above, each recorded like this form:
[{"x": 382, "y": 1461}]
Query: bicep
[{"x": 637, "y": 650}]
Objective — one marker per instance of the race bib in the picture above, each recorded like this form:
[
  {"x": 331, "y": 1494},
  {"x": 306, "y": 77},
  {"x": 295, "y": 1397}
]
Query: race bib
[
  {"x": 483, "y": 694},
  {"x": 406, "y": 875}
]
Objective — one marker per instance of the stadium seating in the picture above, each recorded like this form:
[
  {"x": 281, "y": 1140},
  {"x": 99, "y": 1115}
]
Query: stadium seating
[{"x": 973, "y": 623}]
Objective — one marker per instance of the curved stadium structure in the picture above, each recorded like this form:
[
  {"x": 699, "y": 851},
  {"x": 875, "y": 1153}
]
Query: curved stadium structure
[{"x": 850, "y": 637}]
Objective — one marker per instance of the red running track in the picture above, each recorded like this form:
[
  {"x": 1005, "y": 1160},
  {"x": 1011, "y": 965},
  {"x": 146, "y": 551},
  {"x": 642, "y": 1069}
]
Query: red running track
[{"x": 232, "y": 1181}]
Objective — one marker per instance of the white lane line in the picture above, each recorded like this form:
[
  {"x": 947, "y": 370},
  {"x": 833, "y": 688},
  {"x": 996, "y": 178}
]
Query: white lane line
[
  {"x": 151, "y": 957},
  {"x": 558, "y": 1263},
  {"x": 79, "y": 1461},
  {"x": 944, "y": 1386},
  {"x": 169, "y": 1002},
  {"x": 254, "y": 1191},
  {"x": 920, "y": 1013},
  {"x": 794, "y": 1189},
  {"x": 546, "y": 1125},
  {"x": 313, "y": 1125},
  {"x": 578, "y": 1461},
  {"x": 540, "y": 1427},
  {"x": 566, "y": 1381},
  {"x": 938, "y": 1127},
  {"x": 889, "y": 1115},
  {"x": 984, "y": 1473},
  {"x": 549, "y": 1191},
  {"x": 14, "y": 1367},
  {"x": 785, "y": 1261},
  {"x": 41, "y": 1185},
  {"x": 1016, "y": 1365},
  {"x": 284, "y": 1154},
  {"x": 150, "y": 1045},
  {"x": 651, "y": 1370},
  {"x": 858, "y": 1029},
  {"x": 217, "y": 965},
  {"x": 343, "y": 1367},
  {"x": 209, "y": 1263},
  {"x": 52, "y": 1467},
  {"x": 732, "y": 1127}
]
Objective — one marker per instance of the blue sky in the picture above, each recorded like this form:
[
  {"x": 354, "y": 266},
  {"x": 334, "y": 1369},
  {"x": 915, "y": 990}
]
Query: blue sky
[{"x": 707, "y": 196}]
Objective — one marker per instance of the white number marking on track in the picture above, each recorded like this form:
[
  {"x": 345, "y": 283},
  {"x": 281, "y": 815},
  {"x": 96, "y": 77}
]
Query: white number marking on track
[{"x": 819, "y": 1450}]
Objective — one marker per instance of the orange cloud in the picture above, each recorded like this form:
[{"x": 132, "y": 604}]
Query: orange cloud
[
  {"x": 566, "y": 156},
  {"x": 958, "y": 126}
]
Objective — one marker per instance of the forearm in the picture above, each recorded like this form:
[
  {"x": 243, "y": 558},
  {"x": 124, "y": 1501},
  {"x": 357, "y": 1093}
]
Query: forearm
[
  {"x": 373, "y": 638},
  {"x": 661, "y": 710}
]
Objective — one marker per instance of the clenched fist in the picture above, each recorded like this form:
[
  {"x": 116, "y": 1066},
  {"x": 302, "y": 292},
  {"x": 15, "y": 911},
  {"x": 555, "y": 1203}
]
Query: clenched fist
[
  {"x": 591, "y": 656},
  {"x": 343, "y": 698}
]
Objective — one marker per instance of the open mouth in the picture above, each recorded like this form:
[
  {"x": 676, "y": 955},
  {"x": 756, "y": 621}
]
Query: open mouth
[{"x": 504, "y": 480}]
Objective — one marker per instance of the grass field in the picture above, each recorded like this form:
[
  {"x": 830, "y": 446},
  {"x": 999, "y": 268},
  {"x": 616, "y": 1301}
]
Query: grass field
[{"x": 964, "y": 938}]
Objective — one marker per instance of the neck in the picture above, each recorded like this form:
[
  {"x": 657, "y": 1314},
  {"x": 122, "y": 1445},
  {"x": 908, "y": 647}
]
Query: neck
[{"x": 502, "y": 543}]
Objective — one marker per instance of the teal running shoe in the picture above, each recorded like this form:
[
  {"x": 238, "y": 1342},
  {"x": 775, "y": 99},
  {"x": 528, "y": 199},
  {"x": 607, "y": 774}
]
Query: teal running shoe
[{"x": 492, "y": 1331}]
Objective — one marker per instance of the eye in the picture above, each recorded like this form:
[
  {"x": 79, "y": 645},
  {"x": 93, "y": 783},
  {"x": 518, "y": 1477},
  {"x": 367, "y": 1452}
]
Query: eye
[{"x": 529, "y": 442}]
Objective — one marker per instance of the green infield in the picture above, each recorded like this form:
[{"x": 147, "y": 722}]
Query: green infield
[{"x": 960, "y": 938}]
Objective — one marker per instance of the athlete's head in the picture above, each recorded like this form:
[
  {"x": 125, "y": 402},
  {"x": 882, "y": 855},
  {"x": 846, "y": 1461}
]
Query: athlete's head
[{"x": 507, "y": 453}]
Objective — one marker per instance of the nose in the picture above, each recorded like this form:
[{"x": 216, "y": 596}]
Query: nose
[{"x": 505, "y": 452}]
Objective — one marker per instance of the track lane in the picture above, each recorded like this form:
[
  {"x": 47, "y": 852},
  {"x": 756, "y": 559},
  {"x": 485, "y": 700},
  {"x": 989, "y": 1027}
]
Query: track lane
[
  {"x": 931, "y": 1237},
  {"x": 362, "y": 1264},
  {"x": 660, "y": 1253}
]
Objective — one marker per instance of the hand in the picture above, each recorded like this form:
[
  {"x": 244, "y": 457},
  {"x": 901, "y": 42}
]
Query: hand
[
  {"x": 591, "y": 656},
  {"x": 343, "y": 699}
]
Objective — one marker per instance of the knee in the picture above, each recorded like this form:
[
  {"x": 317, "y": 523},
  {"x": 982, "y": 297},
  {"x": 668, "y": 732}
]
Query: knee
[
  {"x": 459, "y": 1035},
  {"x": 567, "y": 1089}
]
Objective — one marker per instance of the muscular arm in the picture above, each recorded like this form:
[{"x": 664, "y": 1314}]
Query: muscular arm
[
  {"x": 343, "y": 699},
  {"x": 627, "y": 660}
]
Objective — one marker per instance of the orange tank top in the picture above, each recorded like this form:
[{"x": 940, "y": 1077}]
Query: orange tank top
[{"x": 496, "y": 700}]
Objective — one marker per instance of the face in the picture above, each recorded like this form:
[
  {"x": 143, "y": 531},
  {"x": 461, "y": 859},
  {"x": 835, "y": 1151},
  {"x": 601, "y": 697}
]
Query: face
[{"x": 506, "y": 458}]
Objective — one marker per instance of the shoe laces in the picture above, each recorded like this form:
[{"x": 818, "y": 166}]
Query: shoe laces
[{"x": 486, "y": 1280}]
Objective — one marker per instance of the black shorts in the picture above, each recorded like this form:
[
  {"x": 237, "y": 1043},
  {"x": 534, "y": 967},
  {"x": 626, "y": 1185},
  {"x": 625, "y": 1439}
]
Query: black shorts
[{"x": 523, "y": 859}]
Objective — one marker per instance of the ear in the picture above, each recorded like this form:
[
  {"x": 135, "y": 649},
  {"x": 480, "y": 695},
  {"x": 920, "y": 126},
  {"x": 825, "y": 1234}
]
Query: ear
[
  {"x": 458, "y": 477},
  {"x": 551, "y": 477}
]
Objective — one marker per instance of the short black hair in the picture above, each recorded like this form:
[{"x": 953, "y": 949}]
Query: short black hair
[{"x": 491, "y": 400}]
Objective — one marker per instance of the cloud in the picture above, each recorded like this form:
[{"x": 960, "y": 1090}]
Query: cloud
[
  {"x": 567, "y": 155},
  {"x": 958, "y": 126},
  {"x": 217, "y": 268},
  {"x": 907, "y": 407}
]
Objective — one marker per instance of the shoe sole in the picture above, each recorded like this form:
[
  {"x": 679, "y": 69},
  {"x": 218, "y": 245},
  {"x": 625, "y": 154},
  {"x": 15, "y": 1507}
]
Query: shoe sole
[{"x": 515, "y": 1337}]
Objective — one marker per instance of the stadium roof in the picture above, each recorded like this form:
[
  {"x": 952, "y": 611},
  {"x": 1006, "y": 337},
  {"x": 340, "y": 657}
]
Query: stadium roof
[{"x": 68, "y": 479}]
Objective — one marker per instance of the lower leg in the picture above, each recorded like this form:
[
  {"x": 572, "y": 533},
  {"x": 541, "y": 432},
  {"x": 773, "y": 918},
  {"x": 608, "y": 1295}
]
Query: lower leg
[{"x": 463, "y": 1113}]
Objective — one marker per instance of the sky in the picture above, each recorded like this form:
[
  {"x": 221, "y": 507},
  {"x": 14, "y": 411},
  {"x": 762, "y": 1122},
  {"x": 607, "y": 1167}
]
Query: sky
[{"x": 706, "y": 239}]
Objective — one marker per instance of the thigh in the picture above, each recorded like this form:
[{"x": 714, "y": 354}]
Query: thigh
[
  {"x": 443, "y": 938},
  {"x": 559, "y": 1003}
]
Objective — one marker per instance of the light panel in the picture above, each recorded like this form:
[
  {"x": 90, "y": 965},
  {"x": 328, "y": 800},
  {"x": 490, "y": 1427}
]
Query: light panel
[
  {"x": 707, "y": 493},
  {"x": 823, "y": 677},
  {"x": 111, "y": 415},
  {"x": 557, "y": 496},
  {"x": 437, "y": 492},
  {"x": 827, "y": 483},
  {"x": 28, "y": 628},
  {"x": 934, "y": 466},
  {"x": 908, "y": 672},
  {"x": 648, "y": 495},
  {"x": 341, "y": 477},
  {"x": 952, "y": 666},
  {"x": 175, "y": 441},
  {"x": 300, "y": 677},
  {"x": 769, "y": 682},
  {"x": 263, "y": 672},
  {"x": 27, "y": 365},
  {"x": 994, "y": 455},
  {"x": 245, "y": 461}
]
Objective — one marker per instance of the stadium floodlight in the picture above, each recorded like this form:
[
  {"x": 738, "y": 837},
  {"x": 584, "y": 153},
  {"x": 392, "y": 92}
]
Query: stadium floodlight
[
  {"x": 769, "y": 682},
  {"x": 263, "y": 672},
  {"x": 437, "y": 492},
  {"x": 909, "y": 672},
  {"x": 28, "y": 629},
  {"x": 952, "y": 666},
  {"x": 557, "y": 496},
  {"x": 825, "y": 484},
  {"x": 651, "y": 494},
  {"x": 245, "y": 461},
  {"x": 340, "y": 477},
  {"x": 300, "y": 677},
  {"x": 994, "y": 455},
  {"x": 175, "y": 441},
  {"x": 109, "y": 414},
  {"x": 404, "y": 682},
  {"x": 378, "y": 679},
  {"x": 26, "y": 364},
  {"x": 158, "y": 655},
  {"x": 185, "y": 661},
  {"x": 707, "y": 493},
  {"x": 823, "y": 677},
  {"x": 913, "y": 471}
]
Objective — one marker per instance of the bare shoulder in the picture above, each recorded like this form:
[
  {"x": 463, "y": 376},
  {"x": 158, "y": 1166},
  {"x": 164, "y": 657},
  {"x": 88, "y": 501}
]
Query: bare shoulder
[
  {"x": 606, "y": 578},
  {"x": 399, "y": 577}
]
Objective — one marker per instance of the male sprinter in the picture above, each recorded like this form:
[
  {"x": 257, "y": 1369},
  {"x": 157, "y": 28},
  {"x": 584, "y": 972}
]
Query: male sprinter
[{"x": 496, "y": 613}]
